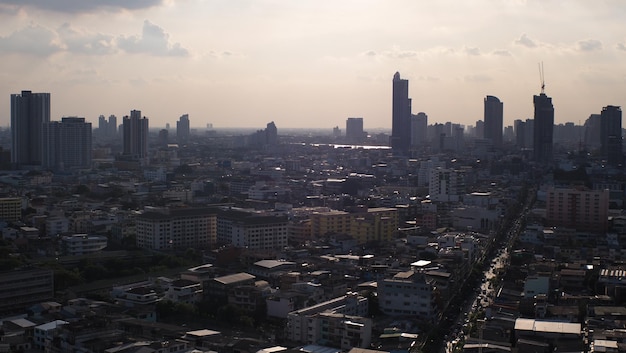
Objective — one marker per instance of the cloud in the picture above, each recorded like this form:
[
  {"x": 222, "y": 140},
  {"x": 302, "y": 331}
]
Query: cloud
[
  {"x": 394, "y": 53},
  {"x": 620, "y": 46},
  {"x": 501, "y": 53},
  {"x": 478, "y": 78},
  {"x": 525, "y": 41},
  {"x": 79, "y": 41},
  {"x": 34, "y": 40},
  {"x": 153, "y": 40},
  {"x": 78, "y": 6},
  {"x": 589, "y": 45},
  {"x": 472, "y": 51}
]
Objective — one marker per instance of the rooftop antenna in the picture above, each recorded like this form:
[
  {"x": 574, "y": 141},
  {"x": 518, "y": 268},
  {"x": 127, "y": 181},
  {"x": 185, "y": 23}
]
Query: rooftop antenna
[{"x": 541, "y": 77}]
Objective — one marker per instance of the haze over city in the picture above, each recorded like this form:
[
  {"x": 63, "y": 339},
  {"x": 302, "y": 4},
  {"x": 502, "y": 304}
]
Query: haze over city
[{"x": 311, "y": 63}]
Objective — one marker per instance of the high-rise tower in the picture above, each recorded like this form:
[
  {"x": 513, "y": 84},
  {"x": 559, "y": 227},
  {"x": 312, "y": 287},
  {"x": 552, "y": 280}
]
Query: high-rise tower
[
  {"x": 543, "y": 128},
  {"x": 419, "y": 127},
  {"x": 29, "y": 111},
  {"x": 182, "y": 129},
  {"x": 135, "y": 136},
  {"x": 401, "y": 116},
  {"x": 67, "y": 144},
  {"x": 354, "y": 130},
  {"x": 611, "y": 134},
  {"x": 493, "y": 121}
]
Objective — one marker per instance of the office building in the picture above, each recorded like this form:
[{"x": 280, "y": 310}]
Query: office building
[
  {"x": 493, "y": 121},
  {"x": 611, "y": 135},
  {"x": 67, "y": 144},
  {"x": 29, "y": 111},
  {"x": 135, "y": 130},
  {"x": 182, "y": 129},
  {"x": 400, "y": 116},
  {"x": 20, "y": 289},
  {"x": 354, "y": 130},
  {"x": 578, "y": 208},
  {"x": 419, "y": 127},
  {"x": 543, "y": 129},
  {"x": 171, "y": 228}
]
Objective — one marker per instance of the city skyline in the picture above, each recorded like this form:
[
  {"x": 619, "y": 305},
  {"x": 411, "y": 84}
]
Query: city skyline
[{"x": 311, "y": 64}]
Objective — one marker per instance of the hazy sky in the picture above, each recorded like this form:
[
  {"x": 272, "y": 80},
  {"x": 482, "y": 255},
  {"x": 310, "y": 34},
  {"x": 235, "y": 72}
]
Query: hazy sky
[{"x": 311, "y": 63}]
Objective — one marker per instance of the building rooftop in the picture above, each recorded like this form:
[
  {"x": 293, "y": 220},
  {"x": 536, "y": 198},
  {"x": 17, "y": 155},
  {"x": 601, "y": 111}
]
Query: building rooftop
[
  {"x": 234, "y": 278},
  {"x": 547, "y": 326}
]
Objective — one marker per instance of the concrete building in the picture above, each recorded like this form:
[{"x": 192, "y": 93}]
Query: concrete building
[
  {"x": 135, "y": 136},
  {"x": 20, "y": 289},
  {"x": 543, "y": 129},
  {"x": 176, "y": 228},
  {"x": 446, "y": 185},
  {"x": 611, "y": 135},
  {"x": 301, "y": 323},
  {"x": 407, "y": 294},
  {"x": 82, "y": 244},
  {"x": 493, "y": 121},
  {"x": 578, "y": 208},
  {"x": 372, "y": 224},
  {"x": 182, "y": 129},
  {"x": 224, "y": 286},
  {"x": 419, "y": 128},
  {"x": 29, "y": 111},
  {"x": 184, "y": 291},
  {"x": 400, "y": 116},
  {"x": 10, "y": 209},
  {"x": 251, "y": 230},
  {"x": 67, "y": 144},
  {"x": 354, "y": 130}
]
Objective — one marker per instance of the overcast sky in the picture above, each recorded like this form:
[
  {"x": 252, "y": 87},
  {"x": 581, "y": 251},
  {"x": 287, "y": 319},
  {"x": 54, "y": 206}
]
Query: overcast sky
[{"x": 311, "y": 63}]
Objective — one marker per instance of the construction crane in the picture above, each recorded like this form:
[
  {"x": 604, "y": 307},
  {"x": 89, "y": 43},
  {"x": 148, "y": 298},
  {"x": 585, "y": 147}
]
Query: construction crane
[{"x": 541, "y": 77}]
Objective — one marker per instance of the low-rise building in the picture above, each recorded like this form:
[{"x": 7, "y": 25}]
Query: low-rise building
[
  {"x": 407, "y": 294},
  {"x": 82, "y": 244}
]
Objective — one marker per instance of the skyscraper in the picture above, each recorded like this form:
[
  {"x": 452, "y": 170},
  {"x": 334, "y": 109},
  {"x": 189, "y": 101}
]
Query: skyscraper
[
  {"x": 135, "y": 130},
  {"x": 543, "y": 128},
  {"x": 182, "y": 129},
  {"x": 611, "y": 134},
  {"x": 493, "y": 121},
  {"x": 28, "y": 113},
  {"x": 67, "y": 144},
  {"x": 419, "y": 126},
  {"x": 401, "y": 116},
  {"x": 354, "y": 130}
]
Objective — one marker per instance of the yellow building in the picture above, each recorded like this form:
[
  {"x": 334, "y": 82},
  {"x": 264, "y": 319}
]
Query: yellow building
[{"x": 374, "y": 224}]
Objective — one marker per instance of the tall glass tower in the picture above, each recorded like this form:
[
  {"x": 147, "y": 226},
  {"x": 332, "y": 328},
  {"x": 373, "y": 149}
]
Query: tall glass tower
[
  {"x": 493, "y": 120},
  {"x": 401, "y": 116}
]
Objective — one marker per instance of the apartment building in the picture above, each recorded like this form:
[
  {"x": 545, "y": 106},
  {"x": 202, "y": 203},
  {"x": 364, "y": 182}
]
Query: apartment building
[
  {"x": 299, "y": 321},
  {"x": 176, "y": 228},
  {"x": 251, "y": 230},
  {"x": 578, "y": 208},
  {"x": 10, "y": 209},
  {"x": 407, "y": 294},
  {"x": 366, "y": 225}
]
